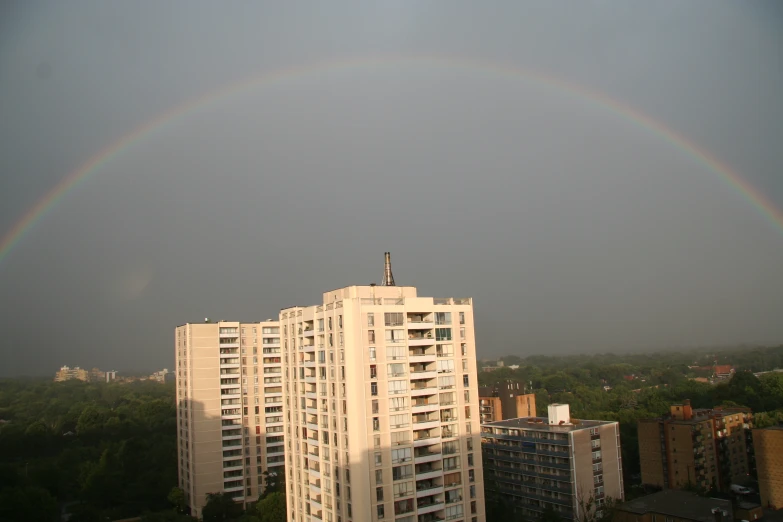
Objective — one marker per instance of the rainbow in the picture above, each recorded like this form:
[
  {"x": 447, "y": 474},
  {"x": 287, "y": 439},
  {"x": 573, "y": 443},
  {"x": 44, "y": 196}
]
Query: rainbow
[{"x": 45, "y": 204}]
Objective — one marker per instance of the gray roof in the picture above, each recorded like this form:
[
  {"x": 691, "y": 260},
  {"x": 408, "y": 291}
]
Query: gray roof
[
  {"x": 542, "y": 424},
  {"x": 676, "y": 503}
]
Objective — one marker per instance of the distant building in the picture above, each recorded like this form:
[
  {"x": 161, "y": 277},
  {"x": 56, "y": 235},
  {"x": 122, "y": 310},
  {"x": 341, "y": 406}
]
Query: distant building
[
  {"x": 708, "y": 448},
  {"x": 553, "y": 462},
  {"x": 674, "y": 506},
  {"x": 768, "y": 444},
  {"x": 66, "y": 374},
  {"x": 160, "y": 376},
  {"x": 507, "y": 401},
  {"x": 111, "y": 376}
]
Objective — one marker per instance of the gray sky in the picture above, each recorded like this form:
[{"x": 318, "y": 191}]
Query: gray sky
[{"x": 574, "y": 228}]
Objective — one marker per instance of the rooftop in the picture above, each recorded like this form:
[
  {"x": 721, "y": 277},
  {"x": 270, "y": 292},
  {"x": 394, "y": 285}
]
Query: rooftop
[
  {"x": 542, "y": 424},
  {"x": 676, "y": 503}
]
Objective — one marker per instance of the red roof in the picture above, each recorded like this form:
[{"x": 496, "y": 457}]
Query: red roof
[{"x": 724, "y": 369}]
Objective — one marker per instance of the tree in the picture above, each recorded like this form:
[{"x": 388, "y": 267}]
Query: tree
[
  {"x": 29, "y": 504},
  {"x": 272, "y": 508},
  {"x": 220, "y": 507},
  {"x": 177, "y": 499}
]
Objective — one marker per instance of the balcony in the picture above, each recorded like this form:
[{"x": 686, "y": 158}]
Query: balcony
[
  {"x": 419, "y": 389},
  {"x": 424, "y": 406},
  {"x": 429, "y": 507},
  {"x": 425, "y": 423},
  {"x": 426, "y": 456},
  {"x": 428, "y": 487},
  {"x": 421, "y": 340}
]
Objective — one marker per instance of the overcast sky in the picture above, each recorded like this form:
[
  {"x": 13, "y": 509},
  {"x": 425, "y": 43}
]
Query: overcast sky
[{"x": 573, "y": 228}]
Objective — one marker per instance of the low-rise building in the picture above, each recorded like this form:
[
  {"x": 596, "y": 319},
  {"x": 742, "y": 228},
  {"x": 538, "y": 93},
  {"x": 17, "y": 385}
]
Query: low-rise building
[
  {"x": 66, "y": 374},
  {"x": 552, "y": 462},
  {"x": 674, "y": 506},
  {"x": 506, "y": 402}
]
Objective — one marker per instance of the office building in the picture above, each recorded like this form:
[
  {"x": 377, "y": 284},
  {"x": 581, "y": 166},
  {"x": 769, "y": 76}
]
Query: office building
[
  {"x": 382, "y": 417},
  {"x": 229, "y": 408},
  {"x": 535, "y": 463},
  {"x": 704, "y": 448},
  {"x": 506, "y": 401},
  {"x": 768, "y": 443}
]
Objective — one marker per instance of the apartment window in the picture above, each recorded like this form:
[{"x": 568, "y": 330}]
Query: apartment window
[
  {"x": 398, "y": 387},
  {"x": 401, "y": 455},
  {"x": 395, "y": 336},
  {"x": 446, "y": 382},
  {"x": 596, "y": 443},
  {"x": 402, "y": 472},
  {"x": 445, "y": 350},
  {"x": 378, "y": 459},
  {"x": 462, "y": 333},
  {"x": 339, "y": 321},
  {"x": 465, "y": 366},
  {"x": 379, "y": 494},
  {"x": 465, "y": 381},
  {"x": 445, "y": 366},
  {"x": 320, "y": 325},
  {"x": 376, "y": 439},
  {"x": 470, "y": 459},
  {"x": 370, "y": 319},
  {"x": 393, "y": 319},
  {"x": 471, "y": 475},
  {"x": 462, "y": 318},
  {"x": 464, "y": 348},
  {"x": 381, "y": 513},
  {"x": 399, "y": 421},
  {"x": 403, "y": 489},
  {"x": 450, "y": 463},
  {"x": 597, "y": 479},
  {"x": 379, "y": 476},
  {"x": 395, "y": 370},
  {"x": 472, "y": 491},
  {"x": 396, "y": 353},
  {"x": 375, "y": 405},
  {"x": 373, "y": 371},
  {"x": 371, "y": 351},
  {"x": 329, "y": 323},
  {"x": 371, "y": 336},
  {"x": 442, "y": 317},
  {"x": 376, "y": 424},
  {"x": 443, "y": 334},
  {"x": 374, "y": 389},
  {"x": 400, "y": 437},
  {"x": 398, "y": 403}
]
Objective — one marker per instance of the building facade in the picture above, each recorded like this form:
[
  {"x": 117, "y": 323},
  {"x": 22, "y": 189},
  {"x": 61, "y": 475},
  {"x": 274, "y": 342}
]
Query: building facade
[
  {"x": 507, "y": 401},
  {"x": 672, "y": 505},
  {"x": 66, "y": 374},
  {"x": 768, "y": 444},
  {"x": 705, "y": 448},
  {"x": 382, "y": 419},
  {"x": 535, "y": 463},
  {"x": 229, "y": 409}
]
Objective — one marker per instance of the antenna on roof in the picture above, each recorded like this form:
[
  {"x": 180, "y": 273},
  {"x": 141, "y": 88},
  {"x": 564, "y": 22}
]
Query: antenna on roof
[{"x": 388, "y": 278}]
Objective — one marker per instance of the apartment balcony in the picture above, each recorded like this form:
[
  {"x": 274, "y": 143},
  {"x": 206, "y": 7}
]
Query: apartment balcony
[
  {"x": 431, "y": 474},
  {"x": 422, "y": 355},
  {"x": 226, "y": 343},
  {"x": 423, "y": 508},
  {"x": 425, "y": 457},
  {"x": 308, "y": 332},
  {"x": 421, "y": 341},
  {"x": 424, "y": 422},
  {"x": 424, "y": 406},
  {"x": 426, "y": 439},
  {"x": 428, "y": 487},
  {"x": 420, "y": 323},
  {"x": 315, "y": 502}
]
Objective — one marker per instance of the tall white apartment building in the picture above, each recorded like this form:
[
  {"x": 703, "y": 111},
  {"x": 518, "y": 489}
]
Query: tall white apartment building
[
  {"x": 382, "y": 415},
  {"x": 229, "y": 408}
]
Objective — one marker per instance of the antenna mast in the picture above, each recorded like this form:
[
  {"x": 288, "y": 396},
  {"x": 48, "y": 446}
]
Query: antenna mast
[{"x": 388, "y": 278}]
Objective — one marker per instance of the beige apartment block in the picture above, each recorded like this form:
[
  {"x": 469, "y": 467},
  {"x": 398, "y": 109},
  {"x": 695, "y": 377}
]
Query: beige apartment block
[
  {"x": 229, "y": 408},
  {"x": 768, "y": 443},
  {"x": 382, "y": 419},
  {"x": 540, "y": 462}
]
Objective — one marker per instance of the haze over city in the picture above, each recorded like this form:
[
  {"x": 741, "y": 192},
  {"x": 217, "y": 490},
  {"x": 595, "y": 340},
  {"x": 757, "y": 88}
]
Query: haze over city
[{"x": 575, "y": 224}]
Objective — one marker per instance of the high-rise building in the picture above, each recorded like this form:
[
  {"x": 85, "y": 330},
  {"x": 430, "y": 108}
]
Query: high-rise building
[
  {"x": 768, "y": 443},
  {"x": 229, "y": 408},
  {"x": 507, "y": 401},
  {"x": 382, "y": 418},
  {"x": 66, "y": 374},
  {"x": 705, "y": 448},
  {"x": 536, "y": 463}
]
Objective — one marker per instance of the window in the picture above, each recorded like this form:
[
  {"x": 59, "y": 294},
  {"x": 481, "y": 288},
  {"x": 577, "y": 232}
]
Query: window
[
  {"x": 370, "y": 319},
  {"x": 398, "y": 387},
  {"x": 399, "y": 421},
  {"x": 373, "y": 372},
  {"x": 446, "y": 366},
  {"x": 396, "y": 353},
  {"x": 402, "y": 472},
  {"x": 404, "y": 506},
  {"x": 470, "y": 459},
  {"x": 398, "y": 403},
  {"x": 453, "y": 511},
  {"x": 401, "y": 455},
  {"x": 464, "y": 348},
  {"x": 450, "y": 463},
  {"x": 462, "y": 333},
  {"x": 403, "y": 489},
  {"x": 462, "y": 318},
  {"x": 381, "y": 512},
  {"x": 442, "y": 317},
  {"x": 371, "y": 351},
  {"x": 378, "y": 459},
  {"x": 446, "y": 382},
  {"x": 393, "y": 319},
  {"x": 375, "y": 405},
  {"x": 595, "y": 443},
  {"x": 376, "y": 424},
  {"x": 330, "y": 322},
  {"x": 465, "y": 381},
  {"x": 371, "y": 336},
  {"x": 445, "y": 350},
  {"x": 395, "y": 370},
  {"x": 400, "y": 437},
  {"x": 395, "y": 336},
  {"x": 374, "y": 389},
  {"x": 443, "y": 334},
  {"x": 339, "y": 321},
  {"x": 379, "y": 476}
]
